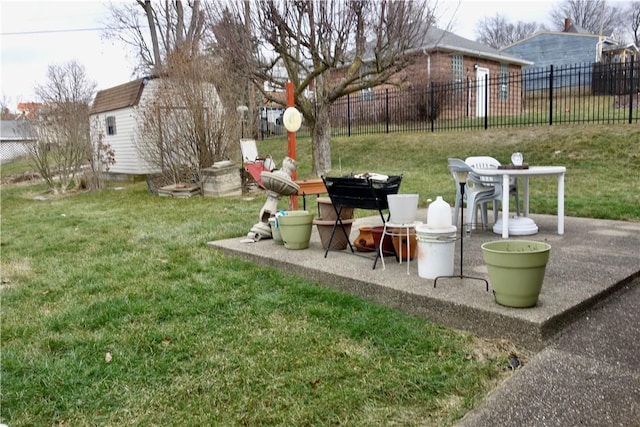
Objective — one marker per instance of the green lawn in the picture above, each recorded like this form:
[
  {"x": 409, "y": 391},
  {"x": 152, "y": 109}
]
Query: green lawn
[{"x": 115, "y": 312}]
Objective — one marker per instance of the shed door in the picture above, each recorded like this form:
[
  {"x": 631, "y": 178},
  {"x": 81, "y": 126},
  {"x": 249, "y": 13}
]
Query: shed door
[{"x": 482, "y": 77}]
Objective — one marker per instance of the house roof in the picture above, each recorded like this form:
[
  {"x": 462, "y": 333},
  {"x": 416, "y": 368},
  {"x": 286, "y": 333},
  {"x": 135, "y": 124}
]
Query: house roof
[
  {"x": 605, "y": 39},
  {"x": 442, "y": 40},
  {"x": 575, "y": 29},
  {"x": 28, "y": 109},
  {"x": 629, "y": 47},
  {"x": 121, "y": 96},
  {"x": 16, "y": 130}
]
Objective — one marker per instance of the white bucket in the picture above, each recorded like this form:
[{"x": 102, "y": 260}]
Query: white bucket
[
  {"x": 403, "y": 208},
  {"x": 436, "y": 247}
]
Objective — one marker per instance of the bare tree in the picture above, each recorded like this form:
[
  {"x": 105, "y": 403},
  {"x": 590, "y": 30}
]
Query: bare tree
[
  {"x": 497, "y": 32},
  {"x": 633, "y": 13},
  {"x": 156, "y": 29},
  {"x": 192, "y": 116},
  {"x": 328, "y": 49},
  {"x": 185, "y": 126},
  {"x": 5, "y": 113},
  {"x": 101, "y": 159},
  {"x": 594, "y": 16},
  {"x": 63, "y": 142},
  {"x": 228, "y": 36}
]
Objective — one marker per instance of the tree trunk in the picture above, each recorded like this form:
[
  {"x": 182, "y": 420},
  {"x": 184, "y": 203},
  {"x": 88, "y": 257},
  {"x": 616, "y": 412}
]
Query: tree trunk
[
  {"x": 321, "y": 137},
  {"x": 148, "y": 10}
]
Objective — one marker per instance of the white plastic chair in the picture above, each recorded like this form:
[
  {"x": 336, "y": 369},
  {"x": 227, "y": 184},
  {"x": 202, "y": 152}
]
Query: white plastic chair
[
  {"x": 476, "y": 194},
  {"x": 487, "y": 162},
  {"x": 253, "y": 163},
  {"x": 250, "y": 154}
]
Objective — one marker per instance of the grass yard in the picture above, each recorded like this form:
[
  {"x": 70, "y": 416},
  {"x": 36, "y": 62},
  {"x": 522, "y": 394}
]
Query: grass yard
[{"x": 115, "y": 312}]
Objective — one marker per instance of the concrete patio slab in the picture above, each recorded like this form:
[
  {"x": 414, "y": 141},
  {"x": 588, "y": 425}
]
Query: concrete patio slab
[{"x": 593, "y": 259}]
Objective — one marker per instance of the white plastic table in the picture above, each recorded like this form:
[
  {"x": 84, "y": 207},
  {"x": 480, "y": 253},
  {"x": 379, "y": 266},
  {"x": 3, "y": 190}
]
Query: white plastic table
[{"x": 506, "y": 174}]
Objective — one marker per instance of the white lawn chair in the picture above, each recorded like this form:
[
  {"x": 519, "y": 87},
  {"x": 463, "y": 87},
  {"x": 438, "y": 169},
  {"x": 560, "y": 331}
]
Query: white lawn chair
[
  {"x": 476, "y": 194},
  {"x": 253, "y": 163},
  {"x": 487, "y": 162}
]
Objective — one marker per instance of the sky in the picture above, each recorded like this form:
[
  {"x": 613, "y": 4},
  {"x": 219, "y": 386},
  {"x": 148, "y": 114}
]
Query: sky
[{"x": 35, "y": 34}]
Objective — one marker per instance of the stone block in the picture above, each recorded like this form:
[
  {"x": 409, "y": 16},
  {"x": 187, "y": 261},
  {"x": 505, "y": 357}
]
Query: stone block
[{"x": 223, "y": 179}]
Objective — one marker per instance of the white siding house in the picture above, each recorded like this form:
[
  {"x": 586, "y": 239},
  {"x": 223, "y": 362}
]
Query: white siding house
[{"x": 115, "y": 114}]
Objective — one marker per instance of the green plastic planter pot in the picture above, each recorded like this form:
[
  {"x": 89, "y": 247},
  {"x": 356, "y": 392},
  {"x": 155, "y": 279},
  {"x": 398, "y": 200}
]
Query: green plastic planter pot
[
  {"x": 275, "y": 232},
  {"x": 516, "y": 270},
  {"x": 295, "y": 229}
]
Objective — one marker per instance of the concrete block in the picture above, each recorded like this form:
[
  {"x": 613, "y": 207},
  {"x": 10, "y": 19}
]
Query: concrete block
[{"x": 222, "y": 180}]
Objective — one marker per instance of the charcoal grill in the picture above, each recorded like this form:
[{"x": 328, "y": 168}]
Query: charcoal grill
[{"x": 359, "y": 193}]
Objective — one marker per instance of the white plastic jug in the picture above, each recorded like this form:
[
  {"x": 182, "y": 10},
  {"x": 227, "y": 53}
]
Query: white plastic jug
[{"x": 439, "y": 214}]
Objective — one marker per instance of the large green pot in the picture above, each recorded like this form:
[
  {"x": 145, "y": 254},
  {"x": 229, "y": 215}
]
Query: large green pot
[
  {"x": 516, "y": 270},
  {"x": 295, "y": 229}
]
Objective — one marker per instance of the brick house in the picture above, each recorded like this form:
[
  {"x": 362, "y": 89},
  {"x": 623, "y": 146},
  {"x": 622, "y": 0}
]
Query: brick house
[
  {"x": 456, "y": 69},
  {"x": 28, "y": 110},
  {"x": 463, "y": 66}
]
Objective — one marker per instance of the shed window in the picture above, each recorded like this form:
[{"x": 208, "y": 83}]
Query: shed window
[{"x": 111, "y": 125}]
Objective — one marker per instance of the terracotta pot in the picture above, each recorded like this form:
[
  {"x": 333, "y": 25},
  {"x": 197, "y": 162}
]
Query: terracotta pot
[
  {"x": 327, "y": 212},
  {"x": 340, "y": 241},
  {"x": 400, "y": 243},
  {"x": 387, "y": 246},
  {"x": 364, "y": 242}
]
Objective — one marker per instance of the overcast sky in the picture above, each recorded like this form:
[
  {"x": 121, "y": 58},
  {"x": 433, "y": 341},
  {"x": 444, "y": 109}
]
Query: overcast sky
[{"x": 36, "y": 34}]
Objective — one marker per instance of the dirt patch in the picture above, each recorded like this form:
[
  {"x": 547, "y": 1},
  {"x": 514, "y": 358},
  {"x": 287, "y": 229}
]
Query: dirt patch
[{"x": 20, "y": 177}]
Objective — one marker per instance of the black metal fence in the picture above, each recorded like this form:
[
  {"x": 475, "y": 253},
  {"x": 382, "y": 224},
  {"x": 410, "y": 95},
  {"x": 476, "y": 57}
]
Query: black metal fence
[{"x": 582, "y": 93}]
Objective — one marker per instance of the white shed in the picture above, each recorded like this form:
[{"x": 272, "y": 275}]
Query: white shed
[{"x": 115, "y": 113}]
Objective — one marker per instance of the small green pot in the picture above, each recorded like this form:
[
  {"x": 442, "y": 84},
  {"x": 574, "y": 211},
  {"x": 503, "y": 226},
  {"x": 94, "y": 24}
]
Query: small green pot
[
  {"x": 275, "y": 232},
  {"x": 516, "y": 270},
  {"x": 295, "y": 229}
]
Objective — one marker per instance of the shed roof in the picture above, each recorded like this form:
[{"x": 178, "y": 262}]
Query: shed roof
[{"x": 121, "y": 96}]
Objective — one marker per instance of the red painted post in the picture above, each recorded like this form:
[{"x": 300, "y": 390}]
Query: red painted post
[{"x": 291, "y": 138}]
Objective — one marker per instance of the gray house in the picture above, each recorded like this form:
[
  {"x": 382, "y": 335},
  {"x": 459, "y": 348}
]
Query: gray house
[
  {"x": 15, "y": 138},
  {"x": 574, "y": 54},
  {"x": 571, "y": 46}
]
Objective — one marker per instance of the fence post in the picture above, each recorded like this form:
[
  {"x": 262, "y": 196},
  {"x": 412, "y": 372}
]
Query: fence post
[
  {"x": 631, "y": 64},
  {"x": 486, "y": 101},
  {"x": 432, "y": 114},
  {"x": 386, "y": 112},
  {"x": 348, "y": 116},
  {"x": 551, "y": 95}
]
